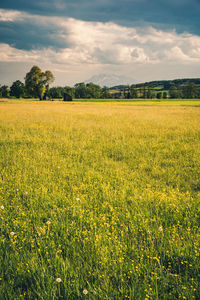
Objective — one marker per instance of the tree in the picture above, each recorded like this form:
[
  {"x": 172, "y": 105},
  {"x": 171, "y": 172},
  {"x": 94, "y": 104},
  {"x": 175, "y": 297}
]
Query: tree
[
  {"x": 93, "y": 90},
  {"x": 70, "y": 91},
  {"x": 37, "y": 82},
  {"x": 105, "y": 93},
  {"x": 17, "y": 89},
  {"x": 145, "y": 90},
  {"x": 159, "y": 95},
  {"x": 174, "y": 93},
  {"x": 4, "y": 91},
  {"x": 190, "y": 91},
  {"x": 164, "y": 95},
  {"x": 128, "y": 95},
  {"x": 80, "y": 90},
  {"x": 150, "y": 94},
  {"x": 133, "y": 92},
  {"x": 56, "y": 92}
]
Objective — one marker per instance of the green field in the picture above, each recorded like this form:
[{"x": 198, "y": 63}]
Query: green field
[
  {"x": 185, "y": 102},
  {"x": 100, "y": 200}
]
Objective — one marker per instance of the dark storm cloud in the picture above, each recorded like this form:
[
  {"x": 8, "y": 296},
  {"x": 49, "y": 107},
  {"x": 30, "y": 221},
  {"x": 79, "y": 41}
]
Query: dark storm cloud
[
  {"x": 180, "y": 14},
  {"x": 29, "y": 36}
]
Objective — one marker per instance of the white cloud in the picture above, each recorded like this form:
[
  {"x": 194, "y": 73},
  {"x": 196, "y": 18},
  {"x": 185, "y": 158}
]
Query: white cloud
[
  {"x": 96, "y": 45},
  {"x": 10, "y": 54},
  {"x": 105, "y": 43},
  {"x": 9, "y": 15}
]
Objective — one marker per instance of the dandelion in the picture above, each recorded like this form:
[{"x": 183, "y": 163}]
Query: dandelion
[
  {"x": 12, "y": 233},
  {"x": 85, "y": 292},
  {"x": 58, "y": 280},
  {"x": 2, "y": 207}
]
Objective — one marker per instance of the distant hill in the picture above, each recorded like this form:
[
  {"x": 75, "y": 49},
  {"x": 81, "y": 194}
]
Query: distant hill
[
  {"x": 160, "y": 85},
  {"x": 161, "y": 89},
  {"x": 111, "y": 80}
]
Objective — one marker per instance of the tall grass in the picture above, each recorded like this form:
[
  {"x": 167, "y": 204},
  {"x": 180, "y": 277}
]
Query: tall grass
[{"x": 99, "y": 201}]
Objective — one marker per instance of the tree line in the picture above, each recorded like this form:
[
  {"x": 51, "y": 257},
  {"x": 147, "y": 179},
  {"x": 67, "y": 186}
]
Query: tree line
[{"x": 37, "y": 85}]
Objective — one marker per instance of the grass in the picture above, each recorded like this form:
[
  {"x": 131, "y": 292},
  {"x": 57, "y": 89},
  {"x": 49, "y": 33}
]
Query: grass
[
  {"x": 105, "y": 197},
  {"x": 194, "y": 102}
]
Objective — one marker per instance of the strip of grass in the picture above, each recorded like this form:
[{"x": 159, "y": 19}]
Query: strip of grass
[{"x": 192, "y": 102}]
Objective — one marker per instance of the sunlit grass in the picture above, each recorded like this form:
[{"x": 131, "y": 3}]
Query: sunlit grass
[{"x": 99, "y": 201}]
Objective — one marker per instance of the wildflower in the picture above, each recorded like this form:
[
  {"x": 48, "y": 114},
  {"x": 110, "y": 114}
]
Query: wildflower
[
  {"x": 160, "y": 228},
  {"x": 12, "y": 233},
  {"x": 85, "y": 292},
  {"x": 156, "y": 259},
  {"x": 17, "y": 190},
  {"x": 78, "y": 199},
  {"x": 48, "y": 222},
  {"x": 58, "y": 167},
  {"x": 58, "y": 280},
  {"x": 2, "y": 207}
]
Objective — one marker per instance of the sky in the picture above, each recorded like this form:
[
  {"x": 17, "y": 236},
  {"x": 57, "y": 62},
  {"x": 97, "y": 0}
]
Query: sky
[{"x": 138, "y": 40}]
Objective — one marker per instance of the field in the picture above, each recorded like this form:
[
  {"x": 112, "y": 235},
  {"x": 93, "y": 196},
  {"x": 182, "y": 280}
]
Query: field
[{"x": 99, "y": 200}]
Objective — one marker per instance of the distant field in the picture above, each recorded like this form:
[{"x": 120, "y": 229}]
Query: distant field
[
  {"x": 195, "y": 102},
  {"x": 145, "y": 101},
  {"x": 100, "y": 200}
]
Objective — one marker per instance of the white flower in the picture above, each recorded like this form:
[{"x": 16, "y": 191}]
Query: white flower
[
  {"x": 12, "y": 233},
  {"x": 58, "y": 279},
  {"x": 2, "y": 207},
  {"x": 26, "y": 193},
  {"x": 78, "y": 199},
  {"x": 17, "y": 190},
  {"x": 85, "y": 292},
  {"x": 48, "y": 222},
  {"x": 160, "y": 228}
]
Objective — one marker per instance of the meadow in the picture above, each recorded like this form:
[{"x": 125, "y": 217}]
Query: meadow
[{"x": 99, "y": 200}]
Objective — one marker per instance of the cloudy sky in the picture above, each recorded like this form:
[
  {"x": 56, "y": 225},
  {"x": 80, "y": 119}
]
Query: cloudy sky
[{"x": 140, "y": 40}]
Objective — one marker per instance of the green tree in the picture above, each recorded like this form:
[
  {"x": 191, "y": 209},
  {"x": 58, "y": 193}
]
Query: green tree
[
  {"x": 164, "y": 95},
  {"x": 4, "y": 91},
  {"x": 70, "y": 91},
  {"x": 56, "y": 92},
  {"x": 105, "y": 94},
  {"x": 174, "y": 92},
  {"x": 17, "y": 89},
  {"x": 150, "y": 93},
  {"x": 133, "y": 92},
  {"x": 37, "y": 82},
  {"x": 159, "y": 95},
  {"x": 190, "y": 91},
  {"x": 80, "y": 90},
  {"x": 144, "y": 91},
  {"x": 93, "y": 90}
]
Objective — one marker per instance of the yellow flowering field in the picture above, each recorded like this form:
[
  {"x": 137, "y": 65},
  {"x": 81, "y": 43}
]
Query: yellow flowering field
[{"x": 99, "y": 201}]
